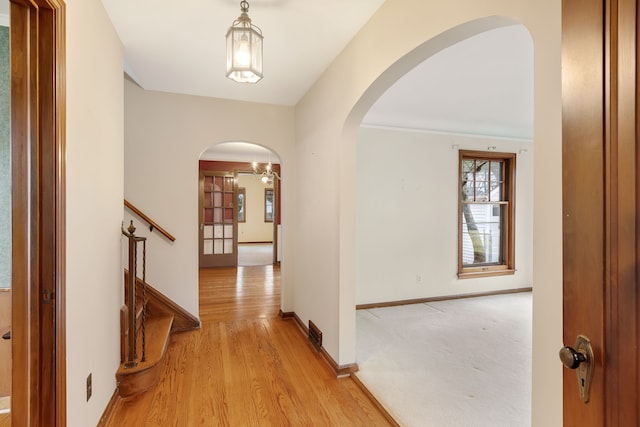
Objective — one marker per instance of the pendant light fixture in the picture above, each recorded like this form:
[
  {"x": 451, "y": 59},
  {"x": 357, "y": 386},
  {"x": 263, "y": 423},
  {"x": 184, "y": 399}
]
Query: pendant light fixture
[{"x": 244, "y": 49}]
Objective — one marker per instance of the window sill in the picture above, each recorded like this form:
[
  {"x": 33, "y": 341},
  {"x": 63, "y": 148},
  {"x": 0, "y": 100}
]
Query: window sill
[{"x": 486, "y": 273}]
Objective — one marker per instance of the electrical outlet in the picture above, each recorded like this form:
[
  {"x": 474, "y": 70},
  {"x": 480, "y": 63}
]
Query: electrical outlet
[{"x": 89, "y": 387}]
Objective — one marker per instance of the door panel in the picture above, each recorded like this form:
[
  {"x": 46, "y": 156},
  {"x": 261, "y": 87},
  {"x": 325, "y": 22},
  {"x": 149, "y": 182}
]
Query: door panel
[
  {"x": 37, "y": 43},
  {"x": 600, "y": 206},
  {"x": 5, "y": 344},
  {"x": 218, "y": 220}
]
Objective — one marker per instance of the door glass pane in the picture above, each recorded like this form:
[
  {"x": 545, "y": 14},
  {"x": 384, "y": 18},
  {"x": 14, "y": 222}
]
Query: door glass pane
[
  {"x": 217, "y": 247},
  {"x": 218, "y": 234},
  {"x": 208, "y": 215},
  {"x": 228, "y": 200},
  {"x": 208, "y": 183},
  {"x": 228, "y": 231},
  {"x": 217, "y": 185},
  {"x": 217, "y": 215},
  {"x": 217, "y": 199},
  {"x": 228, "y": 246},
  {"x": 207, "y": 247},
  {"x": 228, "y": 215},
  {"x": 208, "y": 232},
  {"x": 228, "y": 183}
]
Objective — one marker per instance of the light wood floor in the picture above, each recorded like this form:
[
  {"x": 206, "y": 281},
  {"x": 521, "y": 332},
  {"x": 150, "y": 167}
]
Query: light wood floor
[
  {"x": 5, "y": 417},
  {"x": 246, "y": 367}
]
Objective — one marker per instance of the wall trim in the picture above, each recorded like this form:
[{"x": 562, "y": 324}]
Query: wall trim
[
  {"x": 375, "y": 401},
  {"x": 108, "y": 411},
  {"x": 183, "y": 321},
  {"x": 447, "y": 132},
  {"x": 340, "y": 371},
  {"x": 441, "y": 298}
]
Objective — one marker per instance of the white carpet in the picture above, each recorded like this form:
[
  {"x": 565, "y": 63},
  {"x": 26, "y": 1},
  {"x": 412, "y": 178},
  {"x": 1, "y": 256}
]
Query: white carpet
[{"x": 459, "y": 363}]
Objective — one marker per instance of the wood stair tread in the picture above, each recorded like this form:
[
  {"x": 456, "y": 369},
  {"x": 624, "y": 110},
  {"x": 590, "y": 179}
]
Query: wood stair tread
[{"x": 141, "y": 377}]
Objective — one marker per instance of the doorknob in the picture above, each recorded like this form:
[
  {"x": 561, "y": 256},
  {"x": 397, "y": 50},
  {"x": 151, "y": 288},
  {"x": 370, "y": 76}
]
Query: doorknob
[
  {"x": 581, "y": 359},
  {"x": 571, "y": 358}
]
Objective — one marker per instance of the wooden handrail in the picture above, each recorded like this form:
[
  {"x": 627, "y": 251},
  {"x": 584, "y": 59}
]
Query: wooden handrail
[{"x": 152, "y": 223}]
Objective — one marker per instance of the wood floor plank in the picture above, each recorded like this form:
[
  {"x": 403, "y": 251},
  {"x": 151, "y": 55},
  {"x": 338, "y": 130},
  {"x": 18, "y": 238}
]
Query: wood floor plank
[{"x": 245, "y": 367}]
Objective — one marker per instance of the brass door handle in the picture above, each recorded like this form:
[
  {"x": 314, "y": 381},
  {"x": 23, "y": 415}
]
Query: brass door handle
[
  {"x": 581, "y": 359},
  {"x": 571, "y": 358}
]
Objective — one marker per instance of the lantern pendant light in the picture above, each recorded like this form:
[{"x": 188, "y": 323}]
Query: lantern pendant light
[{"x": 244, "y": 49}]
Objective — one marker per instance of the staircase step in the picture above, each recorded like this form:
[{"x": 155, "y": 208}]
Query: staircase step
[{"x": 144, "y": 375}]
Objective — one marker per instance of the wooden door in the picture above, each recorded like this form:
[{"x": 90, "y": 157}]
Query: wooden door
[
  {"x": 600, "y": 206},
  {"x": 37, "y": 33},
  {"x": 218, "y": 245},
  {"x": 5, "y": 346}
]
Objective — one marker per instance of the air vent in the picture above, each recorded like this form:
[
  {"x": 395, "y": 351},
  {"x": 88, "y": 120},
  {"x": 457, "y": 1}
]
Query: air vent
[{"x": 315, "y": 336}]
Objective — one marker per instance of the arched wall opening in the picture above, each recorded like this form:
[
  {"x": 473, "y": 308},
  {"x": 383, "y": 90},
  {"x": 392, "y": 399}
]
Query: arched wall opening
[
  {"x": 257, "y": 172},
  {"x": 347, "y": 107},
  {"x": 348, "y": 215},
  {"x": 407, "y": 205}
]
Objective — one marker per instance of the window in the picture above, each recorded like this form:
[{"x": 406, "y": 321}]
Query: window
[
  {"x": 268, "y": 205},
  {"x": 242, "y": 201},
  {"x": 486, "y": 214}
]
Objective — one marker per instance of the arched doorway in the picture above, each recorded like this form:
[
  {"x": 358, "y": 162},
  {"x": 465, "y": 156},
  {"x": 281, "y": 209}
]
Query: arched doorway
[
  {"x": 414, "y": 157},
  {"x": 244, "y": 228}
]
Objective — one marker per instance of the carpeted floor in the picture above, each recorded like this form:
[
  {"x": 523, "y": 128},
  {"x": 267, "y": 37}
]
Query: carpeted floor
[{"x": 458, "y": 363}]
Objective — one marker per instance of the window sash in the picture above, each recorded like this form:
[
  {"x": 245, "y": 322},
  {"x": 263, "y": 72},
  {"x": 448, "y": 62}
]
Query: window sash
[{"x": 487, "y": 187}]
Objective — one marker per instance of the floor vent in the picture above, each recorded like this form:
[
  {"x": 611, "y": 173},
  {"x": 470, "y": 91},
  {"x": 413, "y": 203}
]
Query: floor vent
[{"x": 315, "y": 335}]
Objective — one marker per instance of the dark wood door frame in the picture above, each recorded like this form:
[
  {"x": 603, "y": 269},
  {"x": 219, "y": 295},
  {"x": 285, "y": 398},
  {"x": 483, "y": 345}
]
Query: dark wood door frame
[
  {"x": 601, "y": 206},
  {"x": 38, "y": 212}
]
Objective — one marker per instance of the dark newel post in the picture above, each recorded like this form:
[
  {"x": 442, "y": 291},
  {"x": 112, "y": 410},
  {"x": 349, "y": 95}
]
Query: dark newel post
[{"x": 131, "y": 297}]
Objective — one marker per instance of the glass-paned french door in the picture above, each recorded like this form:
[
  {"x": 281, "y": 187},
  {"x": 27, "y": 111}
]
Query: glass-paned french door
[{"x": 218, "y": 219}]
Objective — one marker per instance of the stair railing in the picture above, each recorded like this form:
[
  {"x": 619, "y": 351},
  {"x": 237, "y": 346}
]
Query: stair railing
[
  {"x": 131, "y": 357},
  {"x": 152, "y": 224}
]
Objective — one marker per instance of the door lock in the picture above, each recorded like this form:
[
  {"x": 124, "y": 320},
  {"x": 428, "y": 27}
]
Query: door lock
[{"x": 581, "y": 359}]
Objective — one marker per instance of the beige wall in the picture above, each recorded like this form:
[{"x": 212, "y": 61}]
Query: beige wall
[
  {"x": 255, "y": 229},
  {"x": 165, "y": 135},
  {"x": 407, "y": 215},
  {"x": 400, "y": 35},
  {"x": 94, "y": 208}
]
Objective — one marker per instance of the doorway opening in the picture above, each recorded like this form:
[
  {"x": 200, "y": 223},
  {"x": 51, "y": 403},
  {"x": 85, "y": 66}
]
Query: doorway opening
[
  {"x": 239, "y": 205},
  {"x": 476, "y": 94}
]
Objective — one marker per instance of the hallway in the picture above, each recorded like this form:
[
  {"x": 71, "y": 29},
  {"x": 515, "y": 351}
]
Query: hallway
[{"x": 245, "y": 366}]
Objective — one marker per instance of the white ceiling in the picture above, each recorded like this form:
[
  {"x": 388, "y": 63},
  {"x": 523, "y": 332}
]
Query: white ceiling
[
  {"x": 180, "y": 47},
  {"x": 482, "y": 85}
]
